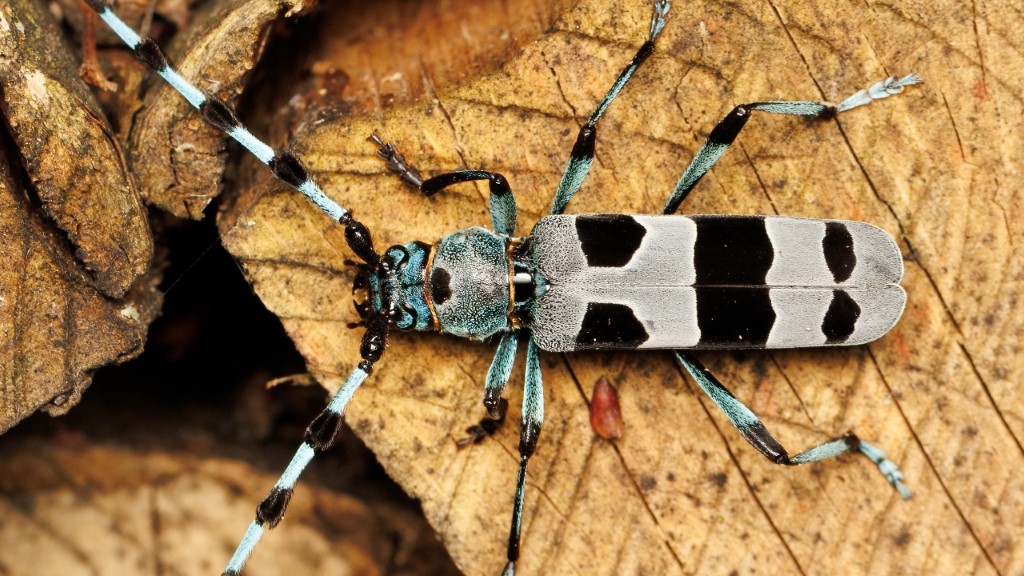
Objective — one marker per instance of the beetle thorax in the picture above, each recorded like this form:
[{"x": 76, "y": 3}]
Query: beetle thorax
[{"x": 468, "y": 283}]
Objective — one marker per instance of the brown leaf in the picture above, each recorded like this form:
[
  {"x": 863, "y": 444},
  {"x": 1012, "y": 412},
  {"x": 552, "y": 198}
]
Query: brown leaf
[
  {"x": 80, "y": 507},
  {"x": 56, "y": 327},
  {"x": 683, "y": 492},
  {"x": 937, "y": 167},
  {"x": 75, "y": 290}
]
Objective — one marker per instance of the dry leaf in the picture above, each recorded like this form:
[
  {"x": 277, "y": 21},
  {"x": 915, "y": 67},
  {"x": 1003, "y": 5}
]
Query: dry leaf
[
  {"x": 76, "y": 506},
  {"x": 683, "y": 493},
  {"x": 937, "y": 167}
]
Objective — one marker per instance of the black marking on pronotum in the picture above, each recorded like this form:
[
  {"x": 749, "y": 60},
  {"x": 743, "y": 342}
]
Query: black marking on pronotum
[
  {"x": 838, "y": 247},
  {"x": 440, "y": 286},
  {"x": 731, "y": 317},
  {"x": 732, "y": 251},
  {"x": 841, "y": 318},
  {"x": 610, "y": 324},
  {"x": 609, "y": 240}
]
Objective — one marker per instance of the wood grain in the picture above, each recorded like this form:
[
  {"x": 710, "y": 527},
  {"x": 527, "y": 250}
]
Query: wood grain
[{"x": 505, "y": 86}]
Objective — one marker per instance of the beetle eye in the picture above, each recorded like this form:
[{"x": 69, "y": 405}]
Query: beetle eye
[
  {"x": 361, "y": 280},
  {"x": 409, "y": 319},
  {"x": 395, "y": 258}
]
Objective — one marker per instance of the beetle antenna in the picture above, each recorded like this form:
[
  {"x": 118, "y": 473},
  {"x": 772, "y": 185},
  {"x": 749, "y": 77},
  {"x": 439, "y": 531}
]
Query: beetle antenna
[{"x": 319, "y": 437}]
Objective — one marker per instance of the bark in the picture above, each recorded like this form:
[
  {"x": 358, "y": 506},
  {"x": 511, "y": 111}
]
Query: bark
[
  {"x": 76, "y": 288},
  {"x": 506, "y": 87}
]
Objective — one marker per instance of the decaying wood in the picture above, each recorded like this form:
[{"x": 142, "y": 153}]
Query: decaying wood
[
  {"x": 681, "y": 492},
  {"x": 55, "y": 122},
  {"x": 98, "y": 509},
  {"x": 181, "y": 160},
  {"x": 87, "y": 185},
  {"x": 75, "y": 286}
]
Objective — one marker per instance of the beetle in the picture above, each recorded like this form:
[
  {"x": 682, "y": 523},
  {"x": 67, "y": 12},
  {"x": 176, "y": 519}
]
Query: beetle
[{"x": 597, "y": 281}]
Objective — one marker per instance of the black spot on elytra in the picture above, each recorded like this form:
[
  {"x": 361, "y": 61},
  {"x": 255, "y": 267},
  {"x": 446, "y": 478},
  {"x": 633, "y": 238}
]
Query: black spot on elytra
[
  {"x": 732, "y": 251},
  {"x": 609, "y": 240},
  {"x": 841, "y": 317},
  {"x": 440, "y": 286},
  {"x": 734, "y": 317},
  {"x": 838, "y": 247},
  {"x": 610, "y": 326}
]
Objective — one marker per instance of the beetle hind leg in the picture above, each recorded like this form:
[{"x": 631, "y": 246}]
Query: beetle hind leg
[
  {"x": 725, "y": 132},
  {"x": 757, "y": 434}
]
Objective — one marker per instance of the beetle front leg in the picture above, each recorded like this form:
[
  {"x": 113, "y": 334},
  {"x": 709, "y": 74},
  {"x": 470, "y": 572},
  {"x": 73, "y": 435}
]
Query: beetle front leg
[
  {"x": 754, "y": 431},
  {"x": 502, "y": 201}
]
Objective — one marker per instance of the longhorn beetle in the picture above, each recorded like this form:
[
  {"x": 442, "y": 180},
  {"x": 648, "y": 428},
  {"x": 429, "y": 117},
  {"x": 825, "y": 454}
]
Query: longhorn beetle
[{"x": 597, "y": 281}]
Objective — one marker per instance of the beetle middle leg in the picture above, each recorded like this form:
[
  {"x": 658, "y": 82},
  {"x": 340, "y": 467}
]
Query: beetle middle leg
[
  {"x": 582, "y": 155},
  {"x": 500, "y": 371},
  {"x": 529, "y": 432}
]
